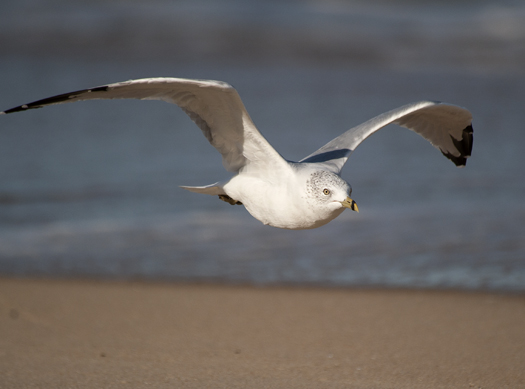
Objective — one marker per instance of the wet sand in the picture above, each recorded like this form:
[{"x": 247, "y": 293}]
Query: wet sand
[{"x": 57, "y": 333}]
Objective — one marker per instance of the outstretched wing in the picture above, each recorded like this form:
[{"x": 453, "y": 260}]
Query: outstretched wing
[
  {"x": 213, "y": 105},
  {"x": 447, "y": 127}
]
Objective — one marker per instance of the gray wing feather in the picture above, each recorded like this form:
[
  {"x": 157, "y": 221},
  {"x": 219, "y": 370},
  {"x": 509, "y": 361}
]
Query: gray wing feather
[
  {"x": 447, "y": 127},
  {"x": 214, "y": 106}
]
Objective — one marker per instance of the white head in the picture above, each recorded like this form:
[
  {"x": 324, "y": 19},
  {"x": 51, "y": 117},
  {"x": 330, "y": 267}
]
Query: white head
[{"x": 328, "y": 195}]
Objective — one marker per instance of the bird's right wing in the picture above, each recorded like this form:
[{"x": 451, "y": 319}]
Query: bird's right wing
[
  {"x": 447, "y": 127},
  {"x": 213, "y": 105}
]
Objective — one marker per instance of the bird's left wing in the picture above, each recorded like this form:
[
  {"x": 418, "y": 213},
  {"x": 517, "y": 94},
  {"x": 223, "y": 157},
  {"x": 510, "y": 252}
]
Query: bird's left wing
[
  {"x": 447, "y": 127},
  {"x": 214, "y": 106}
]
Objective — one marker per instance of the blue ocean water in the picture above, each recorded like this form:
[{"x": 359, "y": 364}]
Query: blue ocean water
[{"x": 91, "y": 189}]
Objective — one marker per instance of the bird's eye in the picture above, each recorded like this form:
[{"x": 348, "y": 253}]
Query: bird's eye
[{"x": 326, "y": 191}]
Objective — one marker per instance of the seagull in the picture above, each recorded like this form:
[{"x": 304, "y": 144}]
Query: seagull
[{"x": 278, "y": 192}]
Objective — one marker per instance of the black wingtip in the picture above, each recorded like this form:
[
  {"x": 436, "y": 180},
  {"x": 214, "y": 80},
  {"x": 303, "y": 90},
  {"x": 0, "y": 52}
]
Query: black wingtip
[
  {"x": 458, "y": 161},
  {"x": 16, "y": 109},
  {"x": 54, "y": 100},
  {"x": 463, "y": 145}
]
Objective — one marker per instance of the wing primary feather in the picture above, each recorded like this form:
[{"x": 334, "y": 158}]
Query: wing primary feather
[
  {"x": 458, "y": 161},
  {"x": 99, "y": 89},
  {"x": 463, "y": 145},
  {"x": 466, "y": 141},
  {"x": 214, "y": 106},
  {"x": 56, "y": 99}
]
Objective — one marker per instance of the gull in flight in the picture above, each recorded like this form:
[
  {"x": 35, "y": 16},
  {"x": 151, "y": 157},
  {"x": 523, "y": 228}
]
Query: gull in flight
[{"x": 278, "y": 192}]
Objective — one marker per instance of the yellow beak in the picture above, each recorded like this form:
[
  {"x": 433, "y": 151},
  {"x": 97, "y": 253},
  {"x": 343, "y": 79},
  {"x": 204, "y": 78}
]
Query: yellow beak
[{"x": 349, "y": 203}]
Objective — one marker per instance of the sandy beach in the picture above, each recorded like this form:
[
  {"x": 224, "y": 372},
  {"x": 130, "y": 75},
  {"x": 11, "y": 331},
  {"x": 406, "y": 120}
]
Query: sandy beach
[{"x": 69, "y": 333}]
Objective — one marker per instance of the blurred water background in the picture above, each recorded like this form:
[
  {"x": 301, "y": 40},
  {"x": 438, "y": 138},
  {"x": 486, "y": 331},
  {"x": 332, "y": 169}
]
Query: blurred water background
[{"x": 91, "y": 189}]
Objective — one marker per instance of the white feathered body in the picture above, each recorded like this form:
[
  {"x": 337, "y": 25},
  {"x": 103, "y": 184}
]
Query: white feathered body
[{"x": 283, "y": 199}]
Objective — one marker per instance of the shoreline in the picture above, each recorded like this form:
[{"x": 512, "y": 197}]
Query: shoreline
[{"x": 99, "y": 333}]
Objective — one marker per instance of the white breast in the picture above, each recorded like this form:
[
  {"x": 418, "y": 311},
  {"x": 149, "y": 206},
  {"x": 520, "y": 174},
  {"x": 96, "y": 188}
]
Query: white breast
[{"x": 278, "y": 204}]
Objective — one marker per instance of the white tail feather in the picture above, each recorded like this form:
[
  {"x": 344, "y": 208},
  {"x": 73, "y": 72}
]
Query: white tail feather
[{"x": 213, "y": 189}]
